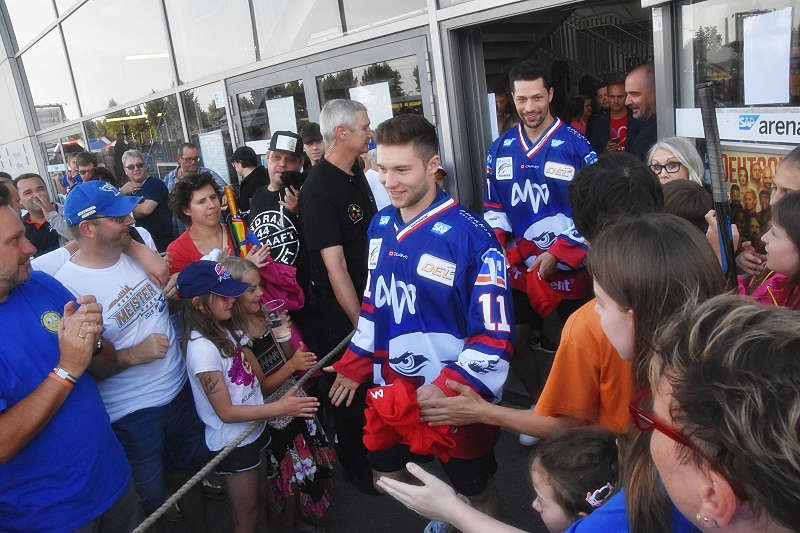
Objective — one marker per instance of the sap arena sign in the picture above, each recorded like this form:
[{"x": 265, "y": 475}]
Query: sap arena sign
[{"x": 754, "y": 124}]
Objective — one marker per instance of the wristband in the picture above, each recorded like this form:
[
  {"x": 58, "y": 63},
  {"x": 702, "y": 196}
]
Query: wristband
[
  {"x": 63, "y": 374},
  {"x": 67, "y": 383}
]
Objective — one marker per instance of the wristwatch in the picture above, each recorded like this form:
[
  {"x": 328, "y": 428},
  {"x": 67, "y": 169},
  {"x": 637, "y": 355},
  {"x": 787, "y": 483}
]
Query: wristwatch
[{"x": 63, "y": 374}]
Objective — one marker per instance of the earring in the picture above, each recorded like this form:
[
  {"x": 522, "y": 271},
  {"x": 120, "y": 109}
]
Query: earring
[{"x": 706, "y": 520}]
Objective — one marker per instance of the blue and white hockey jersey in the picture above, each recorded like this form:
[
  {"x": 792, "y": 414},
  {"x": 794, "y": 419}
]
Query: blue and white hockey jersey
[
  {"x": 526, "y": 195},
  {"x": 436, "y": 307}
]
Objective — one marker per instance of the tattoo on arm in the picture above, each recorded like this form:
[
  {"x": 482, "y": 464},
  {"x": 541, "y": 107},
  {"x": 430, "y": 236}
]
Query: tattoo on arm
[{"x": 209, "y": 382}]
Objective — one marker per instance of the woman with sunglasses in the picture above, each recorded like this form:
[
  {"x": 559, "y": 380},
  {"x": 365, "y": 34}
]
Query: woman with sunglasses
[
  {"x": 645, "y": 269},
  {"x": 725, "y": 436},
  {"x": 675, "y": 158}
]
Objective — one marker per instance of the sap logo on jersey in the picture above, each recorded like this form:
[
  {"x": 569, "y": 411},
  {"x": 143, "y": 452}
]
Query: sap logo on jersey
[
  {"x": 441, "y": 228},
  {"x": 507, "y": 143},
  {"x": 398, "y": 295},
  {"x": 559, "y": 171},
  {"x": 504, "y": 169},
  {"x": 533, "y": 192},
  {"x": 555, "y": 143},
  {"x": 384, "y": 220},
  {"x": 374, "y": 253},
  {"x": 436, "y": 269}
]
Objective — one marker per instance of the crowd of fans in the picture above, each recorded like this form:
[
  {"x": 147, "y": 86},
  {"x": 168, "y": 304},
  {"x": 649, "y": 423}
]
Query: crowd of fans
[{"x": 146, "y": 332}]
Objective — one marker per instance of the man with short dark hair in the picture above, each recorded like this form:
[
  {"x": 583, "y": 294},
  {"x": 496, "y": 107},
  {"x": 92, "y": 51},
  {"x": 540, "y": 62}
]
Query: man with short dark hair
[
  {"x": 252, "y": 173},
  {"x": 35, "y": 199},
  {"x": 189, "y": 163},
  {"x": 87, "y": 162},
  {"x": 436, "y": 312},
  {"x": 528, "y": 171},
  {"x": 336, "y": 206},
  {"x": 312, "y": 142},
  {"x": 61, "y": 467},
  {"x": 615, "y": 130},
  {"x": 640, "y": 89},
  {"x": 152, "y": 213}
]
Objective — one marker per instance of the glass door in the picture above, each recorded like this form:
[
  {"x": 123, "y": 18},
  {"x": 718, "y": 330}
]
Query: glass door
[{"x": 57, "y": 148}]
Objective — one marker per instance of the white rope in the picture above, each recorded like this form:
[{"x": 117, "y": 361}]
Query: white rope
[{"x": 224, "y": 452}]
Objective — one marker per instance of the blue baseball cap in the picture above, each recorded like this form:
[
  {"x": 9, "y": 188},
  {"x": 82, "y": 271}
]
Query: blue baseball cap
[
  {"x": 93, "y": 198},
  {"x": 202, "y": 277}
]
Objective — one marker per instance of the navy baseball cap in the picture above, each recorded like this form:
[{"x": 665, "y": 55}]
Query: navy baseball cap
[
  {"x": 202, "y": 277},
  {"x": 287, "y": 142},
  {"x": 93, "y": 198}
]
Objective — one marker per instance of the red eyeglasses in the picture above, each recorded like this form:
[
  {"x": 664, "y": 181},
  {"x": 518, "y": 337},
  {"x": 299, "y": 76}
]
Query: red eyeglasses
[{"x": 646, "y": 421}]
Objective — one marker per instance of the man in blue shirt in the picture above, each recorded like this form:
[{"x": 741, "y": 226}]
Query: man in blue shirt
[
  {"x": 152, "y": 213},
  {"x": 189, "y": 163},
  {"x": 61, "y": 467}
]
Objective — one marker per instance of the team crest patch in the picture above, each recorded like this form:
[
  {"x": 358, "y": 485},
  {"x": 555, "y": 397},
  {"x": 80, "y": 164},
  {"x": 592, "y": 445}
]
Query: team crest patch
[
  {"x": 504, "y": 170},
  {"x": 222, "y": 272},
  {"x": 355, "y": 213},
  {"x": 374, "y": 253},
  {"x": 441, "y": 228},
  {"x": 590, "y": 158},
  {"x": 50, "y": 320}
]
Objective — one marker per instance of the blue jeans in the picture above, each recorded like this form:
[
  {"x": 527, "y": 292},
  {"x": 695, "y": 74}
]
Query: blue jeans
[{"x": 158, "y": 439}]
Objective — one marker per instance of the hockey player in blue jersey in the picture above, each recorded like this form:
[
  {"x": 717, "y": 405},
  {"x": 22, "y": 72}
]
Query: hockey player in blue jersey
[
  {"x": 528, "y": 171},
  {"x": 436, "y": 309}
]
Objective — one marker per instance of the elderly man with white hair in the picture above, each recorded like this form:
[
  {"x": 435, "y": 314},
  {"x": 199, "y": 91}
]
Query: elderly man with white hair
[{"x": 152, "y": 213}]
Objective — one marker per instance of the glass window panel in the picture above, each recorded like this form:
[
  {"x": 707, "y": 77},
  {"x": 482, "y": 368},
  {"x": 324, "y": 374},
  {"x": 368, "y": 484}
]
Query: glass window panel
[
  {"x": 285, "y": 25},
  {"x": 401, "y": 74},
  {"x": 360, "y": 13},
  {"x": 253, "y": 110},
  {"x": 153, "y": 127},
  {"x": 712, "y": 35},
  {"x": 12, "y": 122},
  {"x": 48, "y": 78},
  {"x": 55, "y": 163},
  {"x": 210, "y": 36},
  {"x": 118, "y": 53},
  {"x": 448, "y": 3},
  {"x": 63, "y": 5},
  {"x": 29, "y": 18},
  {"x": 204, "y": 108}
]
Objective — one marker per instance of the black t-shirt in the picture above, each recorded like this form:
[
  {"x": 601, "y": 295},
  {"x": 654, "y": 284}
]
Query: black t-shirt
[
  {"x": 159, "y": 221},
  {"x": 43, "y": 237},
  {"x": 336, "y": 209},
  {"x": 280, "y": 230},
  {"x": 251, "y": 184}
]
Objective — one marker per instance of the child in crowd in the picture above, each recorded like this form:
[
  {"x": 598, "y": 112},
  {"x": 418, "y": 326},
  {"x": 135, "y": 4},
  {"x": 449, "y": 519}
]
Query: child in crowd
[
  {"x": 778, "y": 285},
  {"x": 572, "y": 475},
  {"x": 300, "y": 459},
  {"x": 225, "y": 379}
]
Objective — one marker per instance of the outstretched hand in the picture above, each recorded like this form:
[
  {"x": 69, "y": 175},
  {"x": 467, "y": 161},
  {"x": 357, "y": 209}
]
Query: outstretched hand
[
  {"x": 342, "y": 390},
  {"x": 458, "y": 410},
  {"x": 435, "y": 499}
]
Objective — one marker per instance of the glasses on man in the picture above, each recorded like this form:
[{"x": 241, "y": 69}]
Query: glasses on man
[
  {"x": 135, "y": 166},
  {"x": 671, "y": 167},
  {"x": 195, "y": 159}
]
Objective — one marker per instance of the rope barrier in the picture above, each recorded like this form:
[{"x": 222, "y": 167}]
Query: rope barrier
[{"x": 224, "y": 452}]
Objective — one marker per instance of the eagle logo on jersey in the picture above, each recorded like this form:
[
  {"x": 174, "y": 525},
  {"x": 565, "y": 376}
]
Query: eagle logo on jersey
[
  {"x": 482, "y": 367},
  {"x": 408, "y": 364},
  {"x": 355, "y": 213}
]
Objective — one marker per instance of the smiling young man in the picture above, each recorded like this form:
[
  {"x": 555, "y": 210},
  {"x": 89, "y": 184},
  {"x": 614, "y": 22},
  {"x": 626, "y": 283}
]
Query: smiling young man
[
  {"x": 528, "y": 171},
  {"x": 436, "y": 309}
]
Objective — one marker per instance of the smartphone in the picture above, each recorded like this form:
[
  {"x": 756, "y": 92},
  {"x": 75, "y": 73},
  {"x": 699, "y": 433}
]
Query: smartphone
[{"x": 292, "y": 178}]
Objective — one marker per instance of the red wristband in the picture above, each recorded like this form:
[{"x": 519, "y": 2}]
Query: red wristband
[{"x": 67, "y": 383}]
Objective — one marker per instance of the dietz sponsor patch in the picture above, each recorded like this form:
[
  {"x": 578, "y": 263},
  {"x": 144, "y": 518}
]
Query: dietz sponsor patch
[
  {"x": 436, "y": 269},
  {"x": 374, "y": 253},
  {"x": 504, "y": 168},
  {"x": 559, "y": 171}
]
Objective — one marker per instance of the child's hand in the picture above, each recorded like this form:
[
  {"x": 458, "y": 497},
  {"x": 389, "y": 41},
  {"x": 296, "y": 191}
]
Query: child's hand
[
  {"x": 302, "y": 360},
  {"x": 301, "y": 406}
]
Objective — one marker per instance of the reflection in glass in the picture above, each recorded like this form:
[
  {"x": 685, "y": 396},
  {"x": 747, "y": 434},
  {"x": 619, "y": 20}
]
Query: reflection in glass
[
  {"x": 204, "y": 109},
  {"x": 29, "y": 18},
  {"x": 154, "y": 128},
  {"x": 285, "y": 25},
  {"x": 12, "y": 121},
  {"x": 360, "y": 13},
  {"x": 713, "y": 47},
  {"x": 253, "y": 109},
  {"x": 117, "y": 58},
  {"x": 210, "y": 36},
  {"x": 48, "y": 78},
  {"x": 402, "y": 75},
  {"x": 55, "y": 163}
]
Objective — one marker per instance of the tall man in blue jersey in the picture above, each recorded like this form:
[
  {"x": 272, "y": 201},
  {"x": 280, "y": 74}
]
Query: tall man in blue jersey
[
  {"x": 436, "y": 308},
  {"x": 61, "y": 467},
  {"x": 528, "y": 171}
]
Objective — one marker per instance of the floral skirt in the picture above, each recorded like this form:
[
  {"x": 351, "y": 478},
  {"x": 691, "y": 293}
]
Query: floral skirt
[{"x": 300, "y": 463}]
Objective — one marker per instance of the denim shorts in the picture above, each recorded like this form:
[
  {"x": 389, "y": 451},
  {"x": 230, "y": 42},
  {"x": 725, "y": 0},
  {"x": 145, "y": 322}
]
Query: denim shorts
[{"x": 157, "y": 439}]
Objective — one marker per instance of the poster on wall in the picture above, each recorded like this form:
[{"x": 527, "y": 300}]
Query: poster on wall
[
  {"x": 212, "y": 149},
  {"x": 280, "y": 113},
  {"x": 749, "y": 177},
  {"x": 376, "y": 99}
]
